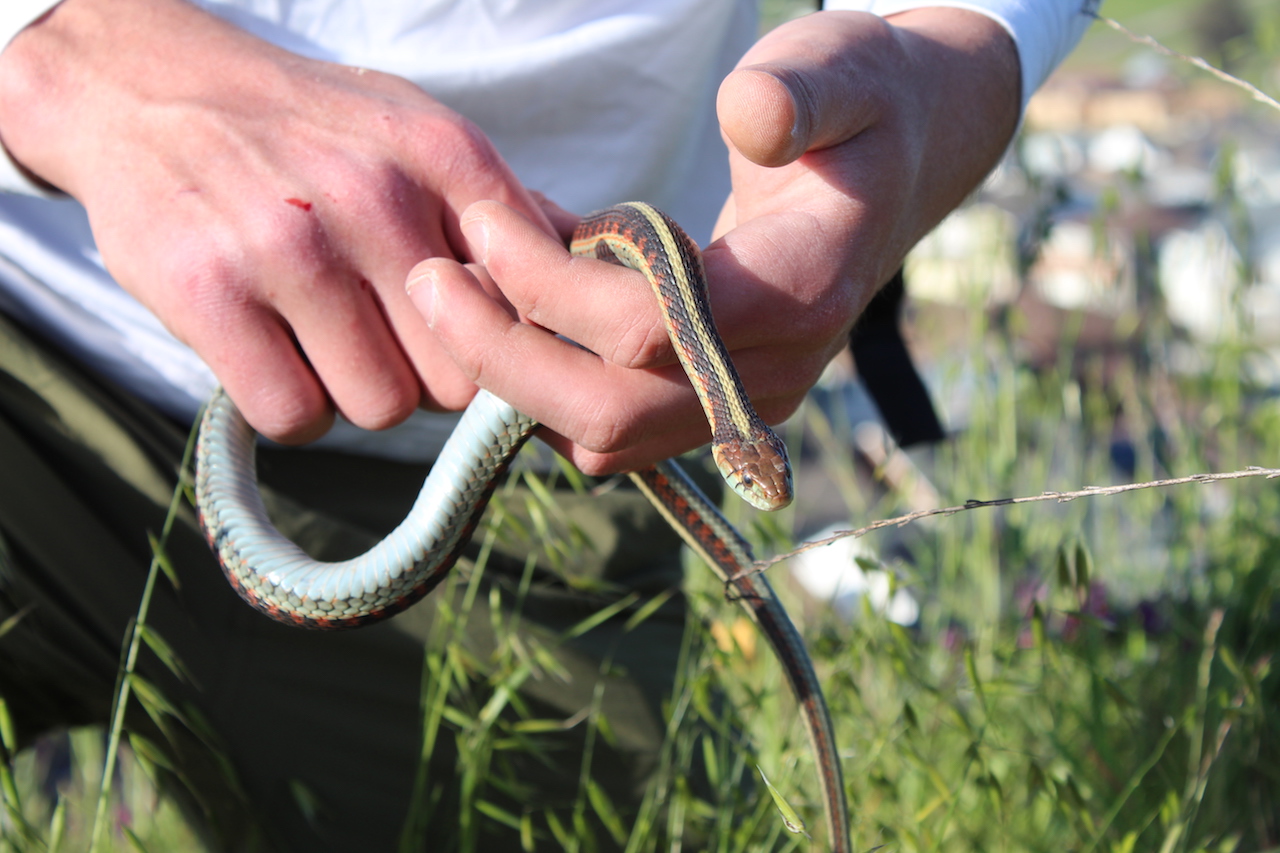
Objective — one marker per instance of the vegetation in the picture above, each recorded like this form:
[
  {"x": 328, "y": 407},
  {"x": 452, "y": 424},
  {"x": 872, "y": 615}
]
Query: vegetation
[{"x": 1095, "y": 675}]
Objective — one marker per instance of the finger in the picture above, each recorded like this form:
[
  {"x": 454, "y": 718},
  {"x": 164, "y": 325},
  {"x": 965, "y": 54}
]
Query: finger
[
  {"x": 589, "y": 400},
  {"x": 297, "y": 268},
  {"x": 304, "y": 273},
  {"x": 346, "y": 340},
  {"x": 799, "y": 89},
  {"x": 658, "y": 447},
  {"x": 604, "y": 419},
  {"x": 608, "y": 309},
  {"x": 476, "y": 172},
  {"x": 562, "y": 220},
  {"x": 389, "y": 251},
  {"x": 775, "y": 394},
  {"x": 256, "y": 360},
  {"x": 359, "y": 328},
  {"x": 207, "y": 291}
]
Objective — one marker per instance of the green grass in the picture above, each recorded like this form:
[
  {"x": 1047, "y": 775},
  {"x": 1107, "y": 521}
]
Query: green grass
[
  {"x": 1086, "y": 676},
  {"x": 1179, "y": 24},
  {"x": 1027, "y": 713}
]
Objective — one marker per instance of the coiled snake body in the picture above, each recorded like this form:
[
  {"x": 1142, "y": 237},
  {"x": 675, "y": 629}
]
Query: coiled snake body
[{"x": 278, "y": 578}]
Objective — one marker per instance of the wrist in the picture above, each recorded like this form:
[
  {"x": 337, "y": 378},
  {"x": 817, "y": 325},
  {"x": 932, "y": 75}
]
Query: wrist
[
  {"x": 964, "y": 51},
  {"x": 967, "y": 77},
  {"x": 39, "y": 88},
  {"x": 19, "y": 81},
  {"x": 85, "y": 83}
]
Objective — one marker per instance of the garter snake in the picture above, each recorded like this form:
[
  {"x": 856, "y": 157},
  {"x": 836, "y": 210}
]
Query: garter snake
[{"x": 278, "y": 578}]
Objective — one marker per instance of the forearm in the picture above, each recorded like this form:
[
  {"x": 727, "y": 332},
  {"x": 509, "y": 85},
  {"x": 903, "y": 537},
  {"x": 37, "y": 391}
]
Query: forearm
[
  {"x": 16, "y": 16},
  {"x": 80, "y": 82},
  {"x": 966, "y": 74},
  {"x": 1044, "y": 31}
]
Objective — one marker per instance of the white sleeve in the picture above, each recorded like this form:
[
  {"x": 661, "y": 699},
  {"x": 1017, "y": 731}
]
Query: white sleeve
[
  {"x": 14, "y": 17},
  {"x": 1045, "y": 31}
]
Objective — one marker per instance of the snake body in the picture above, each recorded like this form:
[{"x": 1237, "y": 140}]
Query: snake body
[
  {"x": 711, "y": 536},
  {"x": 278, "y": 578},
  {"x": 750, "y": 457}
]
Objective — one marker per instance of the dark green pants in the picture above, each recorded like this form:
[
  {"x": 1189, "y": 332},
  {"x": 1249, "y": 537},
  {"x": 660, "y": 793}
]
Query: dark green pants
[{"x": 86, "y": 472}]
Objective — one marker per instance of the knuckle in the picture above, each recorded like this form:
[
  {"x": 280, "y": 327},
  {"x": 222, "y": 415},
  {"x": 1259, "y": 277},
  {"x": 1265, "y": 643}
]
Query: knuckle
[
  {"x": 828, "y": 313},
  {"x": 267, "y": 237},
  {"x": 300, "y": 240},
  {"x": 468, "y": 151},
  {"x": 450, "y": 396},
  {"x": 385, "y": 410},
  {"x": 831, "y": 321},
  {"x": 383, "y": 190},
  {"x": 474, "y": 358},
  {"x": 289, "y": 416},
  {"x": 603, "y": 430},
  {"x": 202, "y": 282},
  {"x": 643, "y": 343}
]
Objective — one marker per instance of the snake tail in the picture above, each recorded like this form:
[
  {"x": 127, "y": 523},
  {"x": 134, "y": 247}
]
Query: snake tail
[{"x": 700, "y": 523}]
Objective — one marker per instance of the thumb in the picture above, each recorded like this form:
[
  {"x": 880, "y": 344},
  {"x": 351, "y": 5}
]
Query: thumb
[{"x": 797, "y": 90}]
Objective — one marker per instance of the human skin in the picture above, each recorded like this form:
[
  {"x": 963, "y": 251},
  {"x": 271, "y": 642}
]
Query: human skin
[
  {"x": 264, "y": 206},
  {"x": 270, "y": 209},
  {"x": 849, "y": 137}
]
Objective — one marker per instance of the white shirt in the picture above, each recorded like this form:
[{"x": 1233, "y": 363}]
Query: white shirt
[{"x": 537, "y": 76}]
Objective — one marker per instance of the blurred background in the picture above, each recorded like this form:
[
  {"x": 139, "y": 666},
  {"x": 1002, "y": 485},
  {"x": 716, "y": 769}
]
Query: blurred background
[{"x": 1091, "y": 675}]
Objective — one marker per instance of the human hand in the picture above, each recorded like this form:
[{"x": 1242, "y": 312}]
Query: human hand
[
  {"x": 850, "y": 138},
  {"x": 265, "y": 207}
]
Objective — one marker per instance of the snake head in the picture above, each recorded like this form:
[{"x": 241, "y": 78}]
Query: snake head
[{"x": 756, "y": 467}]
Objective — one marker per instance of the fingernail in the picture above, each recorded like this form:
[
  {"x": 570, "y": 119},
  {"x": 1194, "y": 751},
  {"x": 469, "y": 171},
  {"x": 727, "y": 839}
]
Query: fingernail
[
  {"x": 476, "y": 230},
  {"x": 421, "y": 288}
]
